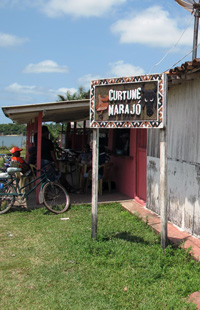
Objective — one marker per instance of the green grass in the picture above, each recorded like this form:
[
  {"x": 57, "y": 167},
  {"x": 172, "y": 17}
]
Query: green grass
[{"x": 48, "y": 263}]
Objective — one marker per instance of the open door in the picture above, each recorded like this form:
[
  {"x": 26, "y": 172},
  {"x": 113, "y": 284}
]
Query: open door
[{"x": 141, "y": 164}]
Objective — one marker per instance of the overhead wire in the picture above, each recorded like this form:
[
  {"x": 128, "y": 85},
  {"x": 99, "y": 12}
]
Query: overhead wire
[
  {"x": 183, "y": 57},
  {"x": 172, "y": 48}
]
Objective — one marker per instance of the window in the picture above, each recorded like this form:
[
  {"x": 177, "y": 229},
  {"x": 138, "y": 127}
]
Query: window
[{"x": 121, "y": 141}]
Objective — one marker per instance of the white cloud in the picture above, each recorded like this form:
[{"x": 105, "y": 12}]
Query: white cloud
[
  {"x": 153, "y": 27},
  {"x": 21, "y": 89},
  {"x": 33, "y": 94},
  {"x": 63, "y": 91},
  {"x": 119, "y": 68},
  {"x": 46, "y": 66},
  {"x": 78, "y": 8},
  {"x": 6, "y": 2},
  {"x": 85, "y": 80},
  {"x": 8, "y": 40}
]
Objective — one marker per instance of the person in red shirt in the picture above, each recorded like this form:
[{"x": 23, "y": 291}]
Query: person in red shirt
[{"x": 15, "y": 151}]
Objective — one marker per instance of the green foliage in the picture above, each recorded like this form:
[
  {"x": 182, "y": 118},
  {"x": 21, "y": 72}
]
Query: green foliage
[
  {"x": 48, "y": 263},
  {"x": 13, "y": 129},
  {"x": 80, "y": 94},
  {"x": 55, "y": 130},
  {"x": 19, "y": 129}
]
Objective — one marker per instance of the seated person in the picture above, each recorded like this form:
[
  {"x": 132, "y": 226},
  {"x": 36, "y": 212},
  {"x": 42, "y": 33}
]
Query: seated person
[
  {"x": 86, "y": 156},
  {"x": 26, "y": 169},
  {"x": 103, "y": 158}
]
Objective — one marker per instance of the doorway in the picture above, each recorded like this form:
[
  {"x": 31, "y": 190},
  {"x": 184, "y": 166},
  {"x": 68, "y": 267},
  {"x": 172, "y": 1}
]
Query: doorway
[{"x": 141, "y": 164}]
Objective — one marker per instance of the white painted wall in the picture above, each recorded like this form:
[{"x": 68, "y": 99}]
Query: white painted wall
[
  {"x": 184, "y": 193},
  {"x": 183, "y": 158}
]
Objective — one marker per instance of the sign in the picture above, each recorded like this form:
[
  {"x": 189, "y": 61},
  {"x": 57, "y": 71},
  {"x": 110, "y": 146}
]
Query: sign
[{"x": 127, "y": 102}]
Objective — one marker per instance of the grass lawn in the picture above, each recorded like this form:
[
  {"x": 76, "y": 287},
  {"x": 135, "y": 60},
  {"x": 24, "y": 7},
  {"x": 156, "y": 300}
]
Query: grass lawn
[{"x": 49, "y": 263}]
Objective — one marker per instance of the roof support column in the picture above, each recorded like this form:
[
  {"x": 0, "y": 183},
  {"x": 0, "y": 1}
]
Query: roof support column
[
  {"x": 74, "y": 136},
  {"x": 28, "y": 138},
  {"x": 39, "y": 142},
  {"x": 84, "y": 141}
]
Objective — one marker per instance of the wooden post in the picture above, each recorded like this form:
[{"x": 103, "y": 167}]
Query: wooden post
[
  {"x": 163, "y": 186},
  {"x": 95, "y": 165},
  {"x": 164, "y": 169}
]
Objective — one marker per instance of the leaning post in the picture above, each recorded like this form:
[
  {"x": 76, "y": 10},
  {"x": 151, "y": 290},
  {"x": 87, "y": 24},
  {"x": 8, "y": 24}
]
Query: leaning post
[{"x": 95, "y": 164}]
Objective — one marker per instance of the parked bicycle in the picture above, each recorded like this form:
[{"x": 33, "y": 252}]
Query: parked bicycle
[
  {"x": 52, "y": 194},
  {"x": 6, "y": 160}
]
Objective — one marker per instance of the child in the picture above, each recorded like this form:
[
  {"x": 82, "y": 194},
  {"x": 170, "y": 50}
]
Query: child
[{"x": 15, "y": 151}]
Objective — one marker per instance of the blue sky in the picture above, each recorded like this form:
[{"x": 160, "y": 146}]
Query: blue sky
[{"x": 50, "y": 46}]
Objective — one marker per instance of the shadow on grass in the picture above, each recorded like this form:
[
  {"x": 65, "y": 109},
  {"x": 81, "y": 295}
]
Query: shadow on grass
[
  {"x": 21, "y": 208},
  {"x": 127, "y": 237}
]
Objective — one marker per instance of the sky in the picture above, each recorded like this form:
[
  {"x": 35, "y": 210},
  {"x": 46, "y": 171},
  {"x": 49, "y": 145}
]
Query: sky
[{"x": 49, "y": 47}]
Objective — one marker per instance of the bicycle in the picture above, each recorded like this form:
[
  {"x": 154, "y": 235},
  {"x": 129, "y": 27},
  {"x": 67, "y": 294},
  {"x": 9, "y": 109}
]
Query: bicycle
[
  {"x": 52, "y": 194},
  {"x": 6, "y": 159}
]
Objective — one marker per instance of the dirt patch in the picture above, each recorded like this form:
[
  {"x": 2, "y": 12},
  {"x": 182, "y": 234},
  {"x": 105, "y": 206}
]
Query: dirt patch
[{"x": 195, "y": 299}]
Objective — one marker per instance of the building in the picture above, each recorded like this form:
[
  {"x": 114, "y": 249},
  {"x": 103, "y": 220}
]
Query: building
[{"x": 137, "y": 167}]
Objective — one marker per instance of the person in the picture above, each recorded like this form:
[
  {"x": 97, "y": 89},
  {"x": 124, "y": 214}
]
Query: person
[
  {"x": 103, "y": 158},
  {"x": 16, "y": 157},
  {"x": 32, "y": 155},
  {"x": 47, "y": 149},
  {"x": 86, "y": 156},
  {"x": 47, "y": 154},
  {"x": 48, "y": 157}
]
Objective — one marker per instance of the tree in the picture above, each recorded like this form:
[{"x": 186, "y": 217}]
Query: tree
[
  {"x": 13, "y": 129},
  {"x": 80, "y": 94}
]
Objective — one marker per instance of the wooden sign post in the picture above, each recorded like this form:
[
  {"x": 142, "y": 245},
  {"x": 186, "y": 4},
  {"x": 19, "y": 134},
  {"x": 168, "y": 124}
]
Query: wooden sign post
[
  {"x": 130, "y": 102},
  {"x": 95, "y": 164},
  {"x": 164, "y": 172}
]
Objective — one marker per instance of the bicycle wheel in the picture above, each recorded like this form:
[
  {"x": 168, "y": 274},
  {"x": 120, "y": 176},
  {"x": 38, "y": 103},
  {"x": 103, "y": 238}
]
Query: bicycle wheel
[
  {"x": 7, "y": 197},
  {"x": 56, "y": 198}
]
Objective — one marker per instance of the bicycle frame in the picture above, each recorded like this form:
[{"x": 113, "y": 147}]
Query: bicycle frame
[{"x": 19, "y": 190}]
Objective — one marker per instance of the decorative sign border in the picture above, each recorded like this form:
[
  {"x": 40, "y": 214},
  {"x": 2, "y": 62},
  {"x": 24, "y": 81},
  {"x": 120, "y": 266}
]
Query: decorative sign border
[{"x": 124, "y": 123}]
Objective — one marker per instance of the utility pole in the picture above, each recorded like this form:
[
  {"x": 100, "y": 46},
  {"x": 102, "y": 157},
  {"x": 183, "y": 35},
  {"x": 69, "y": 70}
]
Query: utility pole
[
  {"x": 193, "y": 7},
  {"x": 196, "y": 28}
]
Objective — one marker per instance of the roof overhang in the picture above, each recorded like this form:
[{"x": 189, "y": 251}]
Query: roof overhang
[
  {"x": 187, "y": 71},
  {"x": 61, "y": 111}
]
